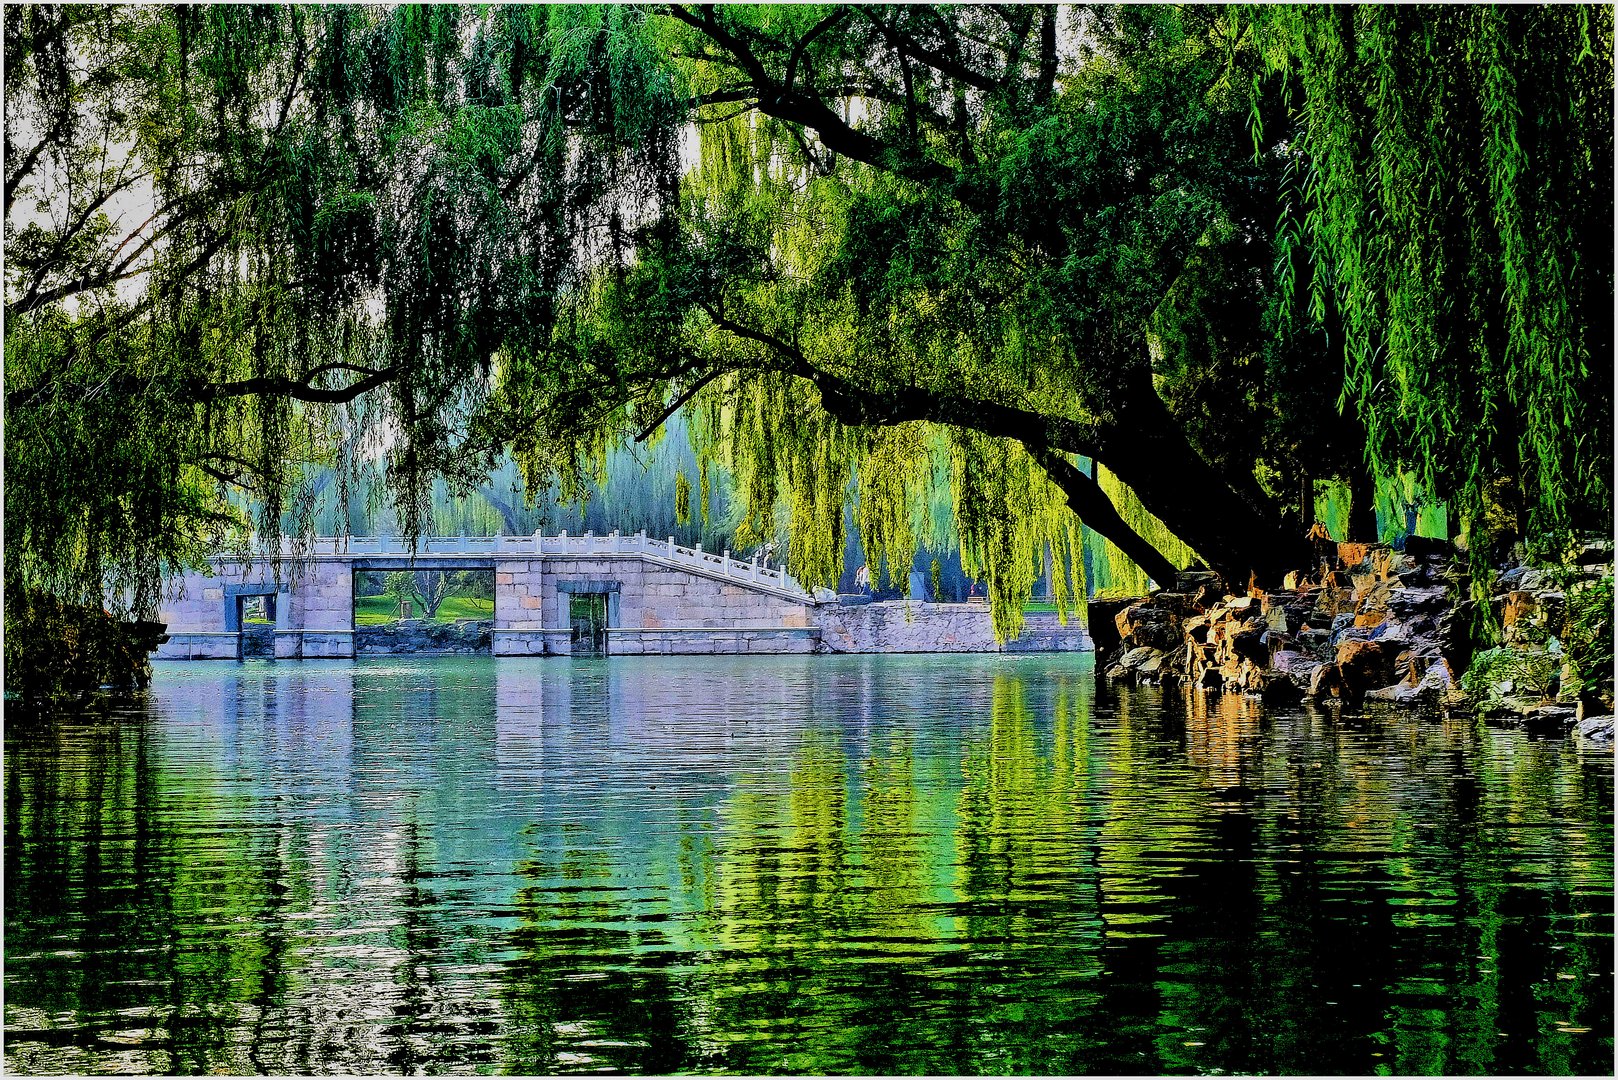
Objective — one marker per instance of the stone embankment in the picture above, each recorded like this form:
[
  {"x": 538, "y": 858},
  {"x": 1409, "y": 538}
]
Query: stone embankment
[
  {"x": 903, "y": 626},
  {"x": 422, "y": 638},
  {"x": 1374, "y": 624}
]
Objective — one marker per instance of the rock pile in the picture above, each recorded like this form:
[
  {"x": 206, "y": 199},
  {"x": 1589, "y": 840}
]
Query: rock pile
[
  {"x": 1374, "y": 623},
  {"x": 1368, "y": 623},
  {"x": 1548, "y": 618}
]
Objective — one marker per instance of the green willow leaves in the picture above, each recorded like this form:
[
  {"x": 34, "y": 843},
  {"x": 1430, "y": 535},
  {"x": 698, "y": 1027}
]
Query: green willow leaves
[
  {"x": 1021, "y": 262},
  {"x": 1449, "y": 207}
]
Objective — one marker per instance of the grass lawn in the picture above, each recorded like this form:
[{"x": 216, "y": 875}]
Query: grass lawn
[{"x": 380, "y": 610}]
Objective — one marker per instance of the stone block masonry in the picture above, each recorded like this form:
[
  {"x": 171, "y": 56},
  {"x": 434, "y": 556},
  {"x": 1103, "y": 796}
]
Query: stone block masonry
[{"x": 902, "y": 626}]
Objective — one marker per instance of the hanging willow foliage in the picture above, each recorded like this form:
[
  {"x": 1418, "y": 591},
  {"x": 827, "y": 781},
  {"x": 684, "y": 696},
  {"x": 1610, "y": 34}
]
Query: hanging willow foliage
[
  {"x": 352, "y": 216},
  {"x": 1450, "y": 203},
  {"x": 1009, "y": 514},
  {"x": 682, "y": 498},
  {"x": 756, "y": 260},
  {"x": 1116, "y": 573}
]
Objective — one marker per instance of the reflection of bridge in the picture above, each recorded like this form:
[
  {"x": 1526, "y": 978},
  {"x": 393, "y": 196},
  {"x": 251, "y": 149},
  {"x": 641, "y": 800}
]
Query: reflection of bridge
[{"x": 651, "y": 595}]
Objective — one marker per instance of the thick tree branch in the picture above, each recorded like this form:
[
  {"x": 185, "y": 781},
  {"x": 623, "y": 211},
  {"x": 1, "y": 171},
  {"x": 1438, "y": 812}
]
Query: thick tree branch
[
  {"x": 944, "y": 65},
  {"x": 689, "y": 393},
  {"x": 1045, "y": 438},
  {"x": 228, "y": 479},
  {"x": 1047, "y": 56},
  {"x": 793, "y": 107},
  {"x": 803, "y": 44},
  {"x": 1090, "y": 503},
  {"x": 25, "y": 167},
  {"x": 296, "y": 389}
]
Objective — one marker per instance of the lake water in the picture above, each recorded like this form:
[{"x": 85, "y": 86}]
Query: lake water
[{"x": 961, "y": 864}]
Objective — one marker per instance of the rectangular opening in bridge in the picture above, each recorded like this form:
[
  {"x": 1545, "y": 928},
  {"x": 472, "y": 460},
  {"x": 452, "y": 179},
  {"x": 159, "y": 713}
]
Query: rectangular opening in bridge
[
  {"x": 423, "y": 611},
  {"x": 587, "y": 614},
  {"x": 255, "y": 615}
]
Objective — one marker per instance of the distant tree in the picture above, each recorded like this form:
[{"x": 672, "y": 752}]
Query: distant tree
[
  {"x": 401, "y": 585},
  {"x": 430, "y": 588},
  {"x": 476, "y": 584}
]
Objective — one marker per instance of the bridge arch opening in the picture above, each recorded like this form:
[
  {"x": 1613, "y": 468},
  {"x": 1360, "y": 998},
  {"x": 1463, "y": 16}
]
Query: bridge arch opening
[
  {"x": 591, "y": 608},
  {"x": 255, "y": 615},
  {"x": 424, "y": 611}
]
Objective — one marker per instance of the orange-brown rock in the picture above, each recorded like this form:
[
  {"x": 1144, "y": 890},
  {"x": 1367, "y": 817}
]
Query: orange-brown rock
[
  {"x": 1327, "y": 681},
  {"x": 1352, "y": 554},
  {"x": 1520, "y": 606},
  {"x": 1365, "y": 665}
]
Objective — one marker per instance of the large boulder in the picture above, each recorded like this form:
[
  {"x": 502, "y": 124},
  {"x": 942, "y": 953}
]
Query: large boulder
[
  {"x": 1145, "y": 624},
  {"x": 1427, "y": 685},
  {"x": 1409, "y": 604},
  {"x": 1326, "y": 681},
  {"x": 1365, "y": 665},
  {"x": 1595, "y": 729}
]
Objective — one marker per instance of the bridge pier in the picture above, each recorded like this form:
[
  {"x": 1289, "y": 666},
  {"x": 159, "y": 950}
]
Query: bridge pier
[
  {"x": 323, "y": 613},
  {"x": 314, "y": 611}
]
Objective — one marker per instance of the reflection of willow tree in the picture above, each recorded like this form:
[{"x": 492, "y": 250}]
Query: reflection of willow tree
[
  {"x": 418, "y": 942},
  {"x": 240, "y": 931},
  {"x": 562, "y": 990},
  {"x": 1026, "y": 882},
  {"x": 786, "y": 894},
  {"x": 857, "y": 912},
  {"x": 108, "y": 898},
  {"x": 1157, "y": 886}
]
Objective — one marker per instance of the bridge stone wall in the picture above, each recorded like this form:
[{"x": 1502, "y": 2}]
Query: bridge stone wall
[
  {"x": 314, "y": 610},
  {"x": 911, "y": 626},
  {"x": 651, "y": 608},
  {"x": 660, "y": 599}
]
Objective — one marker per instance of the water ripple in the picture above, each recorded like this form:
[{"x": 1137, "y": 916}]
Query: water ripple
[{"x": 794, "y": 865}]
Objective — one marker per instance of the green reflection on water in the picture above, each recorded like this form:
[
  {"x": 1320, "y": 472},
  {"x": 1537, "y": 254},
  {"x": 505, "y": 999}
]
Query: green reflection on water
[{"x": 804, "y": 865}]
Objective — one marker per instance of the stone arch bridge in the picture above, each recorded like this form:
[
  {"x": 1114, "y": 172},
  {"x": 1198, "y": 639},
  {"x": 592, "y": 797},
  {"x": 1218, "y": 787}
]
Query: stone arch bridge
[
  {"x": 653, "y": 596},
  {"x": 657, "y": 596}
]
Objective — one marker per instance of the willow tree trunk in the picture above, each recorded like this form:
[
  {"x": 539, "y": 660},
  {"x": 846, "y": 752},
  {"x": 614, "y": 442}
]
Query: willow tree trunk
[{"x": 1240, "y": 538}]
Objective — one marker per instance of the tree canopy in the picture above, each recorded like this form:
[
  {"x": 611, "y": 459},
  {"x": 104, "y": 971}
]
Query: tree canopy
[{"x": 1153, "y": 269}]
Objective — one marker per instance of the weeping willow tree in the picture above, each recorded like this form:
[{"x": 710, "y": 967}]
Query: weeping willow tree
[
  {"x": 875, "y": 243},
  {"x": 241, "y": 241},
  {"x": 1449, "y": 197}
]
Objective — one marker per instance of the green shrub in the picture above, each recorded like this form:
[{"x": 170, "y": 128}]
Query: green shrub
[
  {"x": 1528, "y": 670},
  {"x": 1588, "y": 639},
  {"x": 54, "y": 649}
]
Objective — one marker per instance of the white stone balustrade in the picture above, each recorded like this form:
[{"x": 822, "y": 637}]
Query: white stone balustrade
[{"x": 560, "y": 545}]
